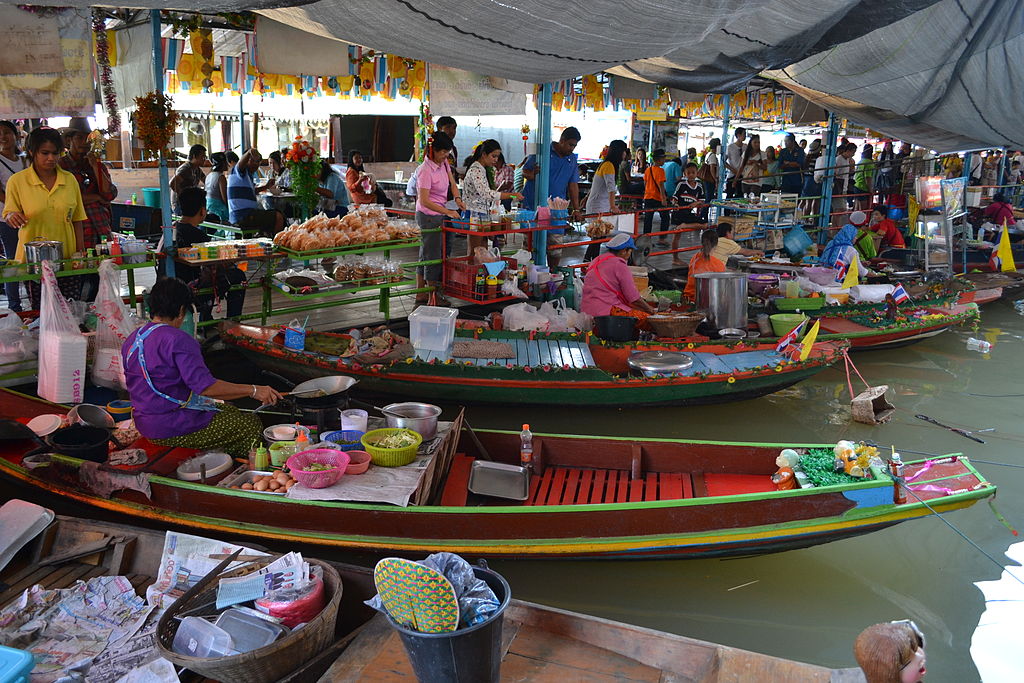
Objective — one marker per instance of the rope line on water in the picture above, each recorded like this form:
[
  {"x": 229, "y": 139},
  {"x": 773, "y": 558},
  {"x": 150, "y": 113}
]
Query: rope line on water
[{"x": 959, "y": 533}]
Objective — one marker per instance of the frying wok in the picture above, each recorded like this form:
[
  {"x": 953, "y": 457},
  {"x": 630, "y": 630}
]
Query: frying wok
[
  {"x": 77, "y": 441},
  {"x": 322, "y": 392}
]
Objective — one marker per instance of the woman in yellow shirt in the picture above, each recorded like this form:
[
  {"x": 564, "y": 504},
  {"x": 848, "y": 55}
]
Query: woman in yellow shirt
[{"x": 44, "y": 201}]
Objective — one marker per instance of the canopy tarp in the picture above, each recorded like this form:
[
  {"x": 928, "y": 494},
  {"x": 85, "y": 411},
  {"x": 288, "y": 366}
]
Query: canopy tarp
[{"x": 935, "y": 72}]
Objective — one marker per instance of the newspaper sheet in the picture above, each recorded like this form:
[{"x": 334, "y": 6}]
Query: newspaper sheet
[
  {"x": 132, "y": 653},
  {"x": 187, "y": 559},
  {"x": 67, "y": 629}
]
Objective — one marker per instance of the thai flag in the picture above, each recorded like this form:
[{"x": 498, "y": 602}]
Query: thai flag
[
  {"x": 791, "y": 336},
  {"x": 900, "y": 294},
  {"x": 841, "y": 269}
]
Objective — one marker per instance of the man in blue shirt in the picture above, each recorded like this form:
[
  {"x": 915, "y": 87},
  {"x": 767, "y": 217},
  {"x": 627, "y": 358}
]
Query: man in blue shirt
[
  {"x": 242, "y": 206},
  {"x": 791, "y": 162},
  {"x": 564, "y": 172}
]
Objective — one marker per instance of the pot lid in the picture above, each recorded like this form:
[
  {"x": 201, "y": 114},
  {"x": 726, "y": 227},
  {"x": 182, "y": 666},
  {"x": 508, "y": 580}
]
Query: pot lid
[{"x": 662, "y": 362}]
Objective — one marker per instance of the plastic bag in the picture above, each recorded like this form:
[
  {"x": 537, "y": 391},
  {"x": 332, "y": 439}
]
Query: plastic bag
[
  {"x": 114, "y": 323},
  {"x": 62, "y": 347},
  {"x": 510, "y": 287},
  {"x": 523, "y": 318},
  {"x": 523, "y": 257},
  {"x": 296, "y": 606},
  {"x": 554, "y": 311},
  {"x": 578, "y": 321},
  {"x": 477, "y": 601},
  {"x": 17, "y": 343}
]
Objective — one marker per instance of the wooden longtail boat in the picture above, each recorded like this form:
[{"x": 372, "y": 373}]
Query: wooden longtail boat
[
  {"x": 590, "y": 497},
  {"x": 537, "y": 641},
  {"x": 547, "y": 369}
]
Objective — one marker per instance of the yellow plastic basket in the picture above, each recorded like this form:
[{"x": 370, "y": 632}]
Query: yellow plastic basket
[{"x": 390, "y": 457}]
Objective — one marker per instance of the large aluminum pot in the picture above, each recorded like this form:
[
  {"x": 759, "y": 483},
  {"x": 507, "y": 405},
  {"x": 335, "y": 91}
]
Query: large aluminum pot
[
  {"x": 419, "y": 417},
  {"x": 724, "y": 297},
  {"x": 44, "y": 250}
]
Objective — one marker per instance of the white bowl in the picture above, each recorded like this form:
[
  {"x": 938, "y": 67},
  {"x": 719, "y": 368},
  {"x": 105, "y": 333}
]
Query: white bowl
[
  {"x": 284, "y": 432},
  {"x": 43, "y": 425}
]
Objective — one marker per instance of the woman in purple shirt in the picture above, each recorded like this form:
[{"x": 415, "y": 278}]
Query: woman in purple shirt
[
  {"x": 175, "y": 400},
  {"x": 433, "y": 179}
]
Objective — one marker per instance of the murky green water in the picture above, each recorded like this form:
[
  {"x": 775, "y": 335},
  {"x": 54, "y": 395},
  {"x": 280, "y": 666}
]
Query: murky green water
[{"x": 811, "y": 604}]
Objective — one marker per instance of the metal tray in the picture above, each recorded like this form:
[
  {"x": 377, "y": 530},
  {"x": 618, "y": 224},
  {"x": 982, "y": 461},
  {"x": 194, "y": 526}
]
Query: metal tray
[
  {"x": 499, "y": 480},
  {"x": 244, "y": 476}
]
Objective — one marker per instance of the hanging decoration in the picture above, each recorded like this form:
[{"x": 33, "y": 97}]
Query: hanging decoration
[
  {"x": 303, "y": 164},
  {"x": 202, "y": 47},
  {"x": 99, "y": 29},
  {"x": 155, "y": 121}
]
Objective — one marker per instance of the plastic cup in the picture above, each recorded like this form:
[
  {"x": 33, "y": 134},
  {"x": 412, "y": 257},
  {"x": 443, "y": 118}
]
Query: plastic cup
[{"x": 354, "y": 419}]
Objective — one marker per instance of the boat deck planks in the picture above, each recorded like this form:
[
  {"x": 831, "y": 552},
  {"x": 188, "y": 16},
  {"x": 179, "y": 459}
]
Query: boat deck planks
[
  {"x": 529, "y": 352},
  {"x": 841, "y": 326}
]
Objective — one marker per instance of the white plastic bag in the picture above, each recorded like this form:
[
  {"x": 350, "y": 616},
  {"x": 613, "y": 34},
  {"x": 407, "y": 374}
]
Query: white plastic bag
[
  {"x": 114, "y": 322},
  {"x": 62, "y": 347},
  {"x": 554, "y": 311},
  {"x": 523, "y": 257},
  {"x": 578, "y": 321},
  {"x": 510, "y": 287},
  {"x": 17, "y": 344},
  {"x": 523, "y": 318}
]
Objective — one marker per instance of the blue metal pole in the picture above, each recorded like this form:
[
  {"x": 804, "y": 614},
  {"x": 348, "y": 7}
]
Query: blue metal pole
[
  {"x": 722, "y": 171},
  {"x": 542, "y": 186},
  {"x": 832, "y": 139},
  {"x": 1002, "y": 169},
  {"x": 165, "y": 183},
  {"x": 968, "y": 158}
]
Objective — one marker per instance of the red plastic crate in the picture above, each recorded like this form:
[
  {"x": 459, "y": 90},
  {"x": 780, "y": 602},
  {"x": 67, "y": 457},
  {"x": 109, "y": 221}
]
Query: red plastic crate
[{"x": 460, "y": 278}]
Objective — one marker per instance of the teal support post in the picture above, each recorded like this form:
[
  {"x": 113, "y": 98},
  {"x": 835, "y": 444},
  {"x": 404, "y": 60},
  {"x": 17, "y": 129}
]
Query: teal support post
[
  {"x": 968, "y": 158},
  {"x": 723, "y": 172},
  {"x": 1002, "y": 170},
  {"x": 828, "y": 182},
  {"x": 540, "y": 240},
  {"x": 165, "y": 183}
]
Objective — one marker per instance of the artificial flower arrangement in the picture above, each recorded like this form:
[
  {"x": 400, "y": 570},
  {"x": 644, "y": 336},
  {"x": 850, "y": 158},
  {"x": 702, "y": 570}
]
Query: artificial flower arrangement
[
  {"x": 303, "y": 164},
  {"x": 155, "y": 121}
]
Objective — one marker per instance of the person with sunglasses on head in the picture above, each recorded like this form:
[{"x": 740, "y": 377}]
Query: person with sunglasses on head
[
  {"x": 11, "y": 161},
  {"x": 891, "y": 653}
]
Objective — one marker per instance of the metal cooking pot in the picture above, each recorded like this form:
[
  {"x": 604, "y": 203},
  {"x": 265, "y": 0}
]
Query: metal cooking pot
[
  {"x": 659, "y": 362},
  {"x": 419, "y": 417},
  {"x": 724, "y": 297},
  {"x": 43, "y": 250}
]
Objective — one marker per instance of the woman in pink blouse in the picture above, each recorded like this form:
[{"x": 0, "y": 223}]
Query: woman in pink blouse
[
  {"x": 609, "y": 282},
  {"x": 434, "y": 178}
]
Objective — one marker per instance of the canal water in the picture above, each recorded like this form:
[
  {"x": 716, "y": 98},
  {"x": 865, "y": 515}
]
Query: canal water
[{"x": 810, "y": 604}]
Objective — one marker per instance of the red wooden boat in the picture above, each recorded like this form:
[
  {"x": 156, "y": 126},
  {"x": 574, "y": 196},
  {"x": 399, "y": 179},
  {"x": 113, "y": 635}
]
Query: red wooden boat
[{"x": 589, "y": 497}]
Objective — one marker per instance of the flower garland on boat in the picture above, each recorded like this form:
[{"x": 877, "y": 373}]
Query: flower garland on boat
[{"x": 303, "y": 164}]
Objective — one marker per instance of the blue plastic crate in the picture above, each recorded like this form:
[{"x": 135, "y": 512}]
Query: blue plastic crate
[
  {"x": 15, "y": 665},
  {"x": 351, "y": 436}
]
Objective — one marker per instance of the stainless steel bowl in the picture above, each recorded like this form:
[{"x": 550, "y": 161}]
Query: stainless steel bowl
[
  {"x": 89, "y": 414},
  {"x": 419, "y": 417},
  {"x": 732, "y": 333}
]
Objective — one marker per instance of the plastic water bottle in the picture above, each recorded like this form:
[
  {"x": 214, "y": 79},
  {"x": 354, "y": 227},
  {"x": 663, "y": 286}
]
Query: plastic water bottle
[
  {"x": 899, "y": 497},
  {"x": 526, "y": 447},
  {"x": 979, "y": 345},
  {"x": 135, "y": 198}
]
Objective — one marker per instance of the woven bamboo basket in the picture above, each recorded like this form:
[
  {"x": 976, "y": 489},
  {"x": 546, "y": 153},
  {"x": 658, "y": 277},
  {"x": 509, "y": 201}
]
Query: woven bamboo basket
[
  {"x": 268, "y": 663},
  {"x": 675, "y": 325}
]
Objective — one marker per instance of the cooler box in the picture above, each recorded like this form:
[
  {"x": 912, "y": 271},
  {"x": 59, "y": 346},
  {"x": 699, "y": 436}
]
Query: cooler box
[
  {"x": 15, "y": 665},
  {"x": 432, "y": 328}
]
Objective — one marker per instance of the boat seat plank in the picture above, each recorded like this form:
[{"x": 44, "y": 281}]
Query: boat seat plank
[
  {"x": 544, "y": 349},
  {"x": 554, "y": 496},
  {"x": 719, "y": 484},
  {"x": 621, "y": 486},
  {"x": 714, "y": 363},
  {"x": 586, "y": 482},
  {"x": 572, "y": 483},
  {"x": 597, "y": 494},
  {"x": 456, "y": 489},
  {"x": 544, "y": 487},
  {"x": 671, "y": 485},
  {"x": 566, "y": 354},
  {"x": 841, "y": 326},
  {"x": 636, "y": 490},
  {"x": 533, "y": 348},
  {"x": 540, "y": 655},
  {"x": 522, "y": 355},
  {"x": 651, "y": 487},
  {"x": 698, "y": 365}
]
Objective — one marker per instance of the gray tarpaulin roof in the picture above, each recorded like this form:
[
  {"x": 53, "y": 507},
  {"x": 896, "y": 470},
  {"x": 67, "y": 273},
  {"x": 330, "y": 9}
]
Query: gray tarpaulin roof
[{"x": 941, "y": 73}]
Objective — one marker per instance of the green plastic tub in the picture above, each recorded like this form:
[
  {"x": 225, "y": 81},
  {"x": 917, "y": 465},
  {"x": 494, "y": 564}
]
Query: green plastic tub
[{"x": 782, "y": 323}]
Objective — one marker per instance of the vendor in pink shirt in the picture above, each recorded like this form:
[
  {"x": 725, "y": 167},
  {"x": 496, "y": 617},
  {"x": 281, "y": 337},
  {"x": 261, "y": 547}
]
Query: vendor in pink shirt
[
  {"x": 433, "y": 180},
  {"x": 609, "y": 282}
]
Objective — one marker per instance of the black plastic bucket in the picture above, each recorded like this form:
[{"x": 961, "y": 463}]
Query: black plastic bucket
[
  {"x": 469, "y": 655},
  {"x": 618, "y": 328}
]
